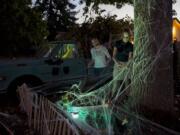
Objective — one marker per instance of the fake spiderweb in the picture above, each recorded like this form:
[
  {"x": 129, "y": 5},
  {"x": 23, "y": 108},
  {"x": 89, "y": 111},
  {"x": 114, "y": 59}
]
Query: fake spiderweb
[{"x": 104, "y": 111}]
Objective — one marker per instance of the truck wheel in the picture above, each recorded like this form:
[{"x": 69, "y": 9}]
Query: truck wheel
[{"x": 12, "y": 90}]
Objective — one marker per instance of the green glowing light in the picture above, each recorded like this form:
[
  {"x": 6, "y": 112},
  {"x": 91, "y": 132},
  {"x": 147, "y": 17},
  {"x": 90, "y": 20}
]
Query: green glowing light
[
  {"x": 78, "y": 112},
  {"x": 75, "y": 115}
]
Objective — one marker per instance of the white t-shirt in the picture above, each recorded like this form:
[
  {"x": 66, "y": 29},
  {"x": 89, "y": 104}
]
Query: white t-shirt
[{"x": 100, "y": 55}]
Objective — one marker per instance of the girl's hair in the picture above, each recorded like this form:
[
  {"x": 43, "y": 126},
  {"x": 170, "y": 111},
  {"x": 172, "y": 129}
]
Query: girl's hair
[
  {"x": 96, "y": 39},
  {"x": 126, "y": 31}
]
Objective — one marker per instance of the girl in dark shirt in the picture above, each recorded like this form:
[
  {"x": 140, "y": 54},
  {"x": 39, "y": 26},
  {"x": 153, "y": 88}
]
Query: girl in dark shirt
[{"x": 122, "y": 52}]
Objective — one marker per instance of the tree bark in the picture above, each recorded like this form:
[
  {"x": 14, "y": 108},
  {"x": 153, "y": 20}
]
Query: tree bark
[{"x": 152, "y": 76}]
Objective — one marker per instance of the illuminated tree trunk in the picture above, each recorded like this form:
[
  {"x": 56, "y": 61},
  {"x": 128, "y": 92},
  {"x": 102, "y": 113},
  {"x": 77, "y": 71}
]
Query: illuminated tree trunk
[{"x": 152, "y": 76}]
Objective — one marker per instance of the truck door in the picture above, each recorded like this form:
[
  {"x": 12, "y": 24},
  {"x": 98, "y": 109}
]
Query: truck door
[{"x": 72, "y": 67}]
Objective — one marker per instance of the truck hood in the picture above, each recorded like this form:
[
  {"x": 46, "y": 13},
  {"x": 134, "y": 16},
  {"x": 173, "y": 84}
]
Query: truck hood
[{"x": 21, "y": 62}]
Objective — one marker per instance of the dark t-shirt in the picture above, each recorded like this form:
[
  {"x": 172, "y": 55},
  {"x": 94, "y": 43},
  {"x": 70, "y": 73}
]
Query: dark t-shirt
[{"x": 123, "y": 50}]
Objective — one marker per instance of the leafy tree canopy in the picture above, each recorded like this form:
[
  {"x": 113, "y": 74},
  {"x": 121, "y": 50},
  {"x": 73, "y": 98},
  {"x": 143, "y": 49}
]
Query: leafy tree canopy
[
  {"x": 58, "y": 14},
  {"x": 21, "y": 27},
  {"x": 95, "y": 3}
]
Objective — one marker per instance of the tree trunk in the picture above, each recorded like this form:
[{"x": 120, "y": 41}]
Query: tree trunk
[{"x": 152, "y": 76}]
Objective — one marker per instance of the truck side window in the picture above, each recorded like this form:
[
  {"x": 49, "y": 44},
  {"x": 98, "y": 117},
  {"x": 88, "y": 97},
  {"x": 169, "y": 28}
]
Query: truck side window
[{"x": 68, "y": 51}]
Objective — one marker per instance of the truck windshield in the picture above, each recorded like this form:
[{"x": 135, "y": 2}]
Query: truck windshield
[
  {"x": 62, "y": 50},
  {"x": 51, "y": 48},
  {"x": 67, "y": 51}
]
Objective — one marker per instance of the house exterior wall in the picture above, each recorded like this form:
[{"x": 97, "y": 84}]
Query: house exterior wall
[{"x": 176, "y": 30}]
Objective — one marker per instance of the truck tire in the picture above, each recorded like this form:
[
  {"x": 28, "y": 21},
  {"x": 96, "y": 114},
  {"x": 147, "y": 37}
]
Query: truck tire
[{"x": 12, "y": 89}]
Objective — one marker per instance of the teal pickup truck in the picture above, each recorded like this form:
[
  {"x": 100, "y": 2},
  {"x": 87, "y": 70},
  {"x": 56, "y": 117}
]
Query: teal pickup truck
[{"x": 62, "y": 63}]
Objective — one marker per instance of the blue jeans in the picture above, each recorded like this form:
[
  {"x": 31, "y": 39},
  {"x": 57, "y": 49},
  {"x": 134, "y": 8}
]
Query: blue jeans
[{"x": 98, "y": 71}]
